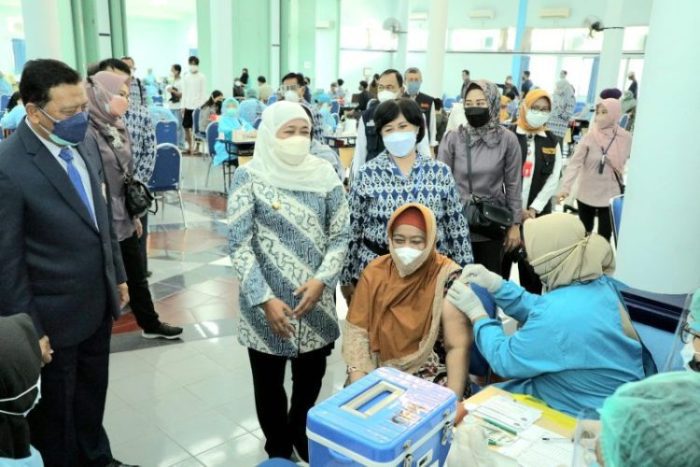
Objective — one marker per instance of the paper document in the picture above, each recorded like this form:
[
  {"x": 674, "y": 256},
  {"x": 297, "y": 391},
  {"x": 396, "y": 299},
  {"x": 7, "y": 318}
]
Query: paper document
[{"x": 505, "y": 411}]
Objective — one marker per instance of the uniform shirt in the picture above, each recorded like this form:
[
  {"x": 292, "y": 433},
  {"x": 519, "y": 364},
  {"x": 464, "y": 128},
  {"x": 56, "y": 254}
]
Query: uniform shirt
[
  {"x": 550, "y": 186},
  {"x": 380, "y": 188},
  {"x": 571, "y": 351}
]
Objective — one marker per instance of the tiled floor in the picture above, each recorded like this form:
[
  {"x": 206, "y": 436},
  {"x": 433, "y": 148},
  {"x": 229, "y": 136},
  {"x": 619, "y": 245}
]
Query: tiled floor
[{"x": 190, "y": 402}]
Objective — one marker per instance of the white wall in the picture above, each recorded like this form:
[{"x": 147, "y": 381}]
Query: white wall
[
  {"x": 10, "y": 28},
  {"x": 158, "y": 43}
]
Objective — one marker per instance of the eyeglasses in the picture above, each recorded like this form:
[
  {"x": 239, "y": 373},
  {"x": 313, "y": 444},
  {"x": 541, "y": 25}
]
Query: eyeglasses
[
  {"x": 688, "y": 334},
  {"x": 289, "y": 87}
]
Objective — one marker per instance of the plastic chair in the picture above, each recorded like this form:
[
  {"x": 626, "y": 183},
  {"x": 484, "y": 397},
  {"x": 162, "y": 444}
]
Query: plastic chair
[
  {"x": 212, "y": 134},
  {"x": 158, "y": 100},
  {"x": 449, "y": 103},
  {"x": 4, "y": 100},
  {"x": 579, "y": 107},
  {"x": 166, "y": 132},
  {"x": 199, "y": 135},
  {"x": 616, "y": 204},
  {"x": 335, "y": 107},
  {"x": 167, "y": 174},
  {"x": 256, "y": 123},
  {"x": 272, "y": 99}
]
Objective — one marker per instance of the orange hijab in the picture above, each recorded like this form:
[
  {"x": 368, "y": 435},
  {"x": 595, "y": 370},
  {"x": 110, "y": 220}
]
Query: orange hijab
[
  {"x": 395, "y": 302},
  {"x": 530, "y": 99}
]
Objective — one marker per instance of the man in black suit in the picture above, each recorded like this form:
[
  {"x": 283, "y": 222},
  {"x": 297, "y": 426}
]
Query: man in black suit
[{"x": 60, "y": 263}]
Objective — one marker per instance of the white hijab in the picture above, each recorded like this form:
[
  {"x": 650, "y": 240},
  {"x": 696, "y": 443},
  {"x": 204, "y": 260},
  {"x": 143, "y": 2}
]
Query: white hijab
[{"x": 313, "y": 174}]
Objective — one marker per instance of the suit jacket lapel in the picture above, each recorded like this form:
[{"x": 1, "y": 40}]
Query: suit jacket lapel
[{"x": 53, "y": 171}]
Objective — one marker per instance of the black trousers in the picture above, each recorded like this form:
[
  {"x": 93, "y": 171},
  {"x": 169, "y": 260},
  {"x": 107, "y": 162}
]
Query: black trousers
[
  {"x": 66, "y": 425},
  {"x": 529, "y": 280},
  {"x": 143, "y": 241},
  {"x": 587, "y": 214},
  {"x": 283, "y": 427},
  {"x": 140, "y": 302},
  {"x": 489, "y": 254}
]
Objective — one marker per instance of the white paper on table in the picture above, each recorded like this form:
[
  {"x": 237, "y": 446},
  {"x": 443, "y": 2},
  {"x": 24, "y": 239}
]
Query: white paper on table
[
  {"x": 530, "y": 450},
  {"x": 509, "y": 412}
]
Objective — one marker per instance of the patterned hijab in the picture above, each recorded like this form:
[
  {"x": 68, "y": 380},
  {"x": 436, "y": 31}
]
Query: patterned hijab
[{"x": 492, "y": 131}]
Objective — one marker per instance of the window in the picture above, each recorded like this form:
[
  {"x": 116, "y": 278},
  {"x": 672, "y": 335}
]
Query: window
[
  {"x": 635, "y": 38},
  {"x": 475, "y": 40},
  {"x": 369, "y": 36},
  {"x": 546, "y": 40},
  {"x": 579, "y": 40}
]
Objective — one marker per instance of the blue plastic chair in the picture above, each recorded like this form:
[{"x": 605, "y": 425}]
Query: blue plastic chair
[
  {"x": 166, "y": 132},
  {"x": 158, "y": 100},
  {"x": 616, "y": 204},
  {"x": 449, "y": 103},
  {"x": 212, "y": 134},
  {"x": 579, "y": 107},
  {"x": 256, "y": 123},
  {"x": 624, "y": 121},
  {"x": 335, "y": 107},
  {"x": 272, "y": 99},
  {"x": 167, "y": 174},
  {"x": 4, "y": 100}
]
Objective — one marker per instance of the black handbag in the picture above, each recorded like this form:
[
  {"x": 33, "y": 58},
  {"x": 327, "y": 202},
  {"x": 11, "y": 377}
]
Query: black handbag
[
  {"x": 485, "y": 217},
  {"x": 139, "y": 198}
]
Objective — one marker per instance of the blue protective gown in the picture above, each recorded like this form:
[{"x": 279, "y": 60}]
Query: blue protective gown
[
  {"x": 12, "y": 119},
  {"x": 227, "y": 125},
  {"x": 570, "y": 352}
]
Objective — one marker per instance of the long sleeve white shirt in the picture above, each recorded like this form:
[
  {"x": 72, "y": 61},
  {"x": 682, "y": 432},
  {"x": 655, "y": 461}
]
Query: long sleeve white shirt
[{"x": 194, "y": 90}]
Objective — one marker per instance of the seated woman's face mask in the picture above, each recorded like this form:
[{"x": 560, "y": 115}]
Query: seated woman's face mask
[
  {"x": 36, "y": 387},
  {"x": 409, "y": 243}
]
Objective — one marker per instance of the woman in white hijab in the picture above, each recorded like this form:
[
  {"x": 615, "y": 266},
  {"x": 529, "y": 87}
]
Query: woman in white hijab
[{"x": 288, "y": 236}]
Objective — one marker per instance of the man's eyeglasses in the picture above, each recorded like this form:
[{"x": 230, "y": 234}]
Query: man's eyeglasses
[{"x": 688, "y": 334}]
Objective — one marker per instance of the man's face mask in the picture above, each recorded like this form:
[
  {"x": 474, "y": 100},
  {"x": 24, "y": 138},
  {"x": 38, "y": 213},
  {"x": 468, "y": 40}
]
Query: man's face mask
[{"x": 36, "y": 387}]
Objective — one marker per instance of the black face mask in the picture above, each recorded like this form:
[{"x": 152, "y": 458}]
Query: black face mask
[{"x": 477, "y": 116}]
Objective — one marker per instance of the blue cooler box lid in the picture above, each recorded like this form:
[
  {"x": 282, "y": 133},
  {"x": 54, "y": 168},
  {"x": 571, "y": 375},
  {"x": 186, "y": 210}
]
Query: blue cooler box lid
[{"x": 378, "y": 414}]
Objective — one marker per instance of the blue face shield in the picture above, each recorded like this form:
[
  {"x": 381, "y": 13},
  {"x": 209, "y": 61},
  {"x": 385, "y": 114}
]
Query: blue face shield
[{"x": 70, "y": 131}]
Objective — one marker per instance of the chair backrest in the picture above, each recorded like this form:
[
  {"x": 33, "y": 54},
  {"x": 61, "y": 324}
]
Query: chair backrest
[
  {"x": 212, "y": 135},
  {"x": 624, "y": 120},
  {"x": 579, "y": 107},
  {"x": 157, "y": 100},
  {"x": 256, "y": 123},
  {"x": 616, "y": 204},
  {"x": 335, "y": 107},
  {"x": 4, "y": 100},
  {"x": 272, "y": 99},
  {"x": 448, "y": 103},
  {"x": 195, "y": 120},
  {"x": 166, "y": 132},
  {"x": 167, "y": 170}
]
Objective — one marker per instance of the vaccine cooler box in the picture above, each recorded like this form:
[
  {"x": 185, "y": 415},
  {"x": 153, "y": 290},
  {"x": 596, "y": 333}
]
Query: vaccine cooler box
[{"x": 386, "y": 419}]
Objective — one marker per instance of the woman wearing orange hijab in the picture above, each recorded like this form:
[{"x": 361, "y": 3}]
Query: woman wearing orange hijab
[
  {"x": 398, "y": 316},
  {"x": 542, "y": 162}
]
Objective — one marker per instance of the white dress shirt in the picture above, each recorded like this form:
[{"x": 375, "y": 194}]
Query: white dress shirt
[{"x": 194, "y": 90}]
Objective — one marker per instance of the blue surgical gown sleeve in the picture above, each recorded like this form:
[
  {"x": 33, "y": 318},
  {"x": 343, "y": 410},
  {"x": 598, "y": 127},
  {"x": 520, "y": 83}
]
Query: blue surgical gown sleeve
[
  {"x": 515, "y": 301},
  {"x": 533, "y": 349}
]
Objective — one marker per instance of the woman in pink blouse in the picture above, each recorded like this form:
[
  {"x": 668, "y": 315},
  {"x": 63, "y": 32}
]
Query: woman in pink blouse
[{"x": 599, "y": 163}]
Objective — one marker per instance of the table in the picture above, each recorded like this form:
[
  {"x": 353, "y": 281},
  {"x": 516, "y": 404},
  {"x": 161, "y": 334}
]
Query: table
[
  {"x": 551, "y": 420},
  {"x": 243, "y": 152},
  {"x": 345, "y": 145}
]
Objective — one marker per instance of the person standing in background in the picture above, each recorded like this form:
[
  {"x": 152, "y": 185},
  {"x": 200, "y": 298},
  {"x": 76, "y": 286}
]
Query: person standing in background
[
  {"x": 142, "y": 131},
  {"x": 341, "y": 90},
  {"x": 633, "y": 84},
  {"x": 174, "y": 90},
  {"x": 563, "y": 105},
  {"x": 414, "y": 79},
  {"x": 364, "y": 97},
  {"x": 599, "y": 164},
  {"x": 526, "y": 84},
  {"x": 194, "y": 94},
  {"x": 465, "y": 83},
  {"x": 264, "y": 89},
  {"x": 374, "y": 86},
  {"x": 244, "y": 77},
  {"x": 60, "y": 263},
  {"x": 508, "y": 89},
  {"x": 495, "y": 172}
]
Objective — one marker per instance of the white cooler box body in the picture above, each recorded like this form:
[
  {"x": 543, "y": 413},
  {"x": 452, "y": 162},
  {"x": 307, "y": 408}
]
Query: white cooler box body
[{"x": 386, "y": 419}]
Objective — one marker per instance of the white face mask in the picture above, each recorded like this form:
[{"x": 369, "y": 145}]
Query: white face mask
[
  {"x": 400, "y": 143},
  {"x": 36, "y": 386},
  {"x": 385, "y": 95},
  {"x": 407, "y": 255},
  {"x": 293, "y": 150},
  {"x": 688, "y": 353},
  {"x": 536, "y": 118},
  {"x": 291, "y": 96},
  {"x": 194, "y": 68}
]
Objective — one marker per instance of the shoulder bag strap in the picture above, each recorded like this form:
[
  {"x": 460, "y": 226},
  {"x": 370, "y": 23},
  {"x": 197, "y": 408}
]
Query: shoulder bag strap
[{"x": 469, "y": 165}]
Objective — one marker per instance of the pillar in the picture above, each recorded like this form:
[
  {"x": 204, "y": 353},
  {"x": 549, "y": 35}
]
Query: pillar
[
  {"x": 328, "y": 45},
  {"x": 204, "y": 42},
  {"x": 117, "y": 25},
  {"x": 399, "y": 58},
  {"x": 221, "y": 51},
  {"x": 658, "y": 249},
  {"x": 611, "y": 53},
  {"x": 435, "y": 55},
  {"x": 298, "y": 35},
  {"x": 49, "y": 34},
  {"x": 518, "y": 65},
  {"x": 251, "y": 38}
]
